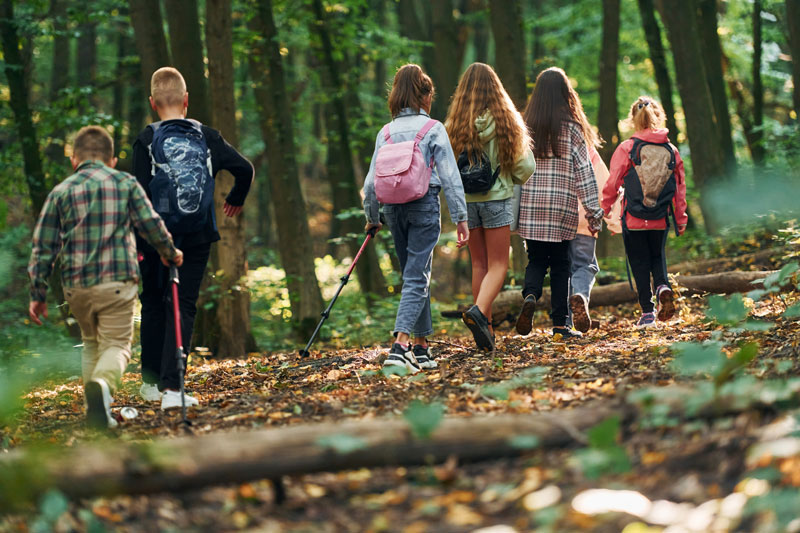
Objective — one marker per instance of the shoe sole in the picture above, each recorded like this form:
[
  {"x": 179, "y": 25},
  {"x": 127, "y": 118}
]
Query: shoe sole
[
  {"x": 525, "y": 319},
  {"x": 645, "y": 326},
  {"x": 96, "y": 417},
  {"x": 667, "y": 305},
  {"x": 481, "y": 339},
  {"x": 411, "y": 368},
  {"x": 580, "y": 313}
]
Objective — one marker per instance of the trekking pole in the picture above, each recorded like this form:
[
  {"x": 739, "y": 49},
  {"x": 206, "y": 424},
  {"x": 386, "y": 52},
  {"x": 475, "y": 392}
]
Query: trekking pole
[
  {"x": 180, "y": 355},
  {"x": 326, "y": 313}
]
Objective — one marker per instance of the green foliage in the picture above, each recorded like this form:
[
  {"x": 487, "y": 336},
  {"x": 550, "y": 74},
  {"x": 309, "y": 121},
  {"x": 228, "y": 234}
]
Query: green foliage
[
  {"x": 780, "y": 503},
  {"x": 524, "y": 442},
  {"x": 423, "y": 418},
  {"x": 727, "y": 311},
  {"x": 51, "y": 506},
  {"x": 526, "y": 378},
  {"x": 698, "y": 358},
  {"x": 604, "y": 455},
  {"x": 342, "y": 443}
]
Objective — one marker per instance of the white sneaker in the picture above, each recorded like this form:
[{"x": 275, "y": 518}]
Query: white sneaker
[
  {"x": 172, "y": 398},
  {"x": 98, "y": 405},
  {"x": 149, "y": 393}
]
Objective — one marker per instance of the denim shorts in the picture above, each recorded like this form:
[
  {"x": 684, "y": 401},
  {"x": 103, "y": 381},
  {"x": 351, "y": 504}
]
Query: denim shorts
[{"x": 491, "y": 214}]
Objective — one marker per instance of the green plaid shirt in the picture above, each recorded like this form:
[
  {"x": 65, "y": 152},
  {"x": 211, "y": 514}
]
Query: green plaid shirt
[{"x": 87, "y": 219}]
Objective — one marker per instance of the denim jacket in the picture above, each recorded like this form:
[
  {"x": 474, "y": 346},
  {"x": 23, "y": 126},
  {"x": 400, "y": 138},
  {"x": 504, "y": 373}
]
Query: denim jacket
[{"x": 436, "y": 143}]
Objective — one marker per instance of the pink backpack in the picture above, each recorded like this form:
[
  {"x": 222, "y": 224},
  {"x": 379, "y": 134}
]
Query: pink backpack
[{"x": 401, "y": 175}]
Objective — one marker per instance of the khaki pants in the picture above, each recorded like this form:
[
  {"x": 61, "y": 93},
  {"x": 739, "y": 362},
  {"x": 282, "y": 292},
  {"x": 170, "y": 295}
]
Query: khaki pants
[{"x": 105, "y": 314}]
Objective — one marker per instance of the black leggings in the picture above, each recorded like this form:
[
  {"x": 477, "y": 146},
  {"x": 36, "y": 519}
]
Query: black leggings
[
  {"x": 645, "y": 251},
  {"x": 555, "y": 255}
]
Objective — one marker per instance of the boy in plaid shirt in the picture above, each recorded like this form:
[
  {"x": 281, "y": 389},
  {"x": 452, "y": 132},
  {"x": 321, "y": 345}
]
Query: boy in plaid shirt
[{"x": 87, "y": 221}]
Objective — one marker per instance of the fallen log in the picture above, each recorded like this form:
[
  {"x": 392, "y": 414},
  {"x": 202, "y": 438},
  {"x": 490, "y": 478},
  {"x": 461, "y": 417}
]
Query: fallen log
[
  {"x": 189, "y": 462},
  {"x": 507, "y": 304},
  {"x": 707, "y": 266}
]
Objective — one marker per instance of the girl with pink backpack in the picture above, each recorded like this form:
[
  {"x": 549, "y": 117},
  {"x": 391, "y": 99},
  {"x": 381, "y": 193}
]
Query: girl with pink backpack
[{"x": 412, "y": 162}]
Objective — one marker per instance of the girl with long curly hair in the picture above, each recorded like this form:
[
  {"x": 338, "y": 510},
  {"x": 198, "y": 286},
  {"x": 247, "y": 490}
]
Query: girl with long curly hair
[
  {"x": 549, "y": 203},
  {"x": 484, "y": 125}
]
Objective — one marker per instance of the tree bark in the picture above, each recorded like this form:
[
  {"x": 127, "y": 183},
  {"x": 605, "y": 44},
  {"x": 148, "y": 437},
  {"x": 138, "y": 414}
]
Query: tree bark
[
  {"x": 708, "y": 157},
  {"x": 509, "y": 42},
  {"x": 59, "y": 78},
  {"x": 417, "y": 28},
  {"x": 507, "y": 304},
  {"x": 275, "y": 117},
  {"x": 758, "y": 150},
  {"x": 86, "y": 68},
  {"x": 607, "y": 112},
  {"x": 712, "y": 54},
  {"x": 793, "y": 24},
  {"x": 150, "y": 41},
  {"x": 186, "y": 46},
  {"x": 658, "y": 57},
  {"x": 448, "y": 52},
  {"x": 192, "y": 462},
  {"x": 229, "y": 257},
  {"x": 341, "y": 173},
  {"x": 480, "y": 30}
]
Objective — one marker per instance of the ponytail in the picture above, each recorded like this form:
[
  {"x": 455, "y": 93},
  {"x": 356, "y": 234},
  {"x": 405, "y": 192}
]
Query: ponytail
[{"x": 646, "y": 114}]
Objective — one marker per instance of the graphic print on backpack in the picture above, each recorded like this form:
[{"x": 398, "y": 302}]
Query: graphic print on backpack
[
  {"x": 650, "y": 183},
  {"x": 477, "y": 177},
  {"x": 182, "y": 187}
]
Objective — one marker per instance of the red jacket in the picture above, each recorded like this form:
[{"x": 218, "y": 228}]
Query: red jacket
[{"x": 621, "y": 163}]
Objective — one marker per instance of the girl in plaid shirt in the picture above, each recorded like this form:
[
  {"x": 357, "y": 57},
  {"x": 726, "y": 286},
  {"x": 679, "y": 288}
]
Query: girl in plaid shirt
[{"x": 548, "y": 217}]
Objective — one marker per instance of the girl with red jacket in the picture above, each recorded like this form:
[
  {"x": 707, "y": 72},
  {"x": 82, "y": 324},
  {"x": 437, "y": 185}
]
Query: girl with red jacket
[{"x": 645, "y": 240}]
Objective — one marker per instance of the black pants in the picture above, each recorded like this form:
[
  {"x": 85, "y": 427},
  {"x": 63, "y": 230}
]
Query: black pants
[
  {"x": 159, "y": 359},
  {"x": 555, "y": 255},
  {"x": 645, "y": 251}
]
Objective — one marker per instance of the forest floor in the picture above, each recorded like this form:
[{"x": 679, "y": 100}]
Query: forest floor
[{"x": 684, "y": 474}]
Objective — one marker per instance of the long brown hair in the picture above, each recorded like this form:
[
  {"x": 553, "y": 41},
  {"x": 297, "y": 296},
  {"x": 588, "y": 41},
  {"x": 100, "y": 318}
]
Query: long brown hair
[
  {"x": 410, "y": 87},
  {"x": 480, "y": 89},
  {"x": 646, "y": 114},
  {"x": 553, "y": 102}
]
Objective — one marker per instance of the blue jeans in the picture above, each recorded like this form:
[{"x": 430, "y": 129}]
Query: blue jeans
[
  {"x": 415, "y": 227},
  {"x": 584, "y": 264}
]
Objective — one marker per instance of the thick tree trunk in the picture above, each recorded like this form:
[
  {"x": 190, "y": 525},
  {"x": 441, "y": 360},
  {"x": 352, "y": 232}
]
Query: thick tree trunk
[
  {"x": 658, "y": 57},
  {"x": 508, "y": 303},
  {"x": 232, "y": 311},
  {"x": 341, "y": 173},
  {"x": 793, "y": 24},
  {"x": 59, "y": 78},
  {"x": 294, "y": 239},
  {"x": 448, "y": 52},
  {"x": 415, "y": 25},
  {"x": 192, "y": 462},
  {"x": 509, "y": 42},
  {"x": 151, "y": 44},
  {"x": 480, "y": 30},
  {"x": 758, "y": 150},
  {"x": 607, "y": 112},
  {"x": 86, "y": 68},
  {"x": 712, "y": 54},
  {"x": 708, "y": 156},
  {"x": 186, "y": 46}
]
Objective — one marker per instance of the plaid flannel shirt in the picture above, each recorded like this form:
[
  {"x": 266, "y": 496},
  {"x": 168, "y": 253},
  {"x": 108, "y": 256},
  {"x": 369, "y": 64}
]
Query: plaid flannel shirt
[
  {"x": 87, "y": 219},
  {"x": 549, "y": 203}
]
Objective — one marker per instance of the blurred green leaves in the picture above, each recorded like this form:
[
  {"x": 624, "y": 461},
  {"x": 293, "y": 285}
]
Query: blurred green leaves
[{"x": 423, "y": 418}]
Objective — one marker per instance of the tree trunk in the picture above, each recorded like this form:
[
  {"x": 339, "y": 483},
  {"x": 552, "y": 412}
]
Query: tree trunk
[
  {"x": 448, "y": 53},
  {"x": 86, "y": 68},
  {"x": 708, "y": 156},
  {"x": 59, "y": 79},
  {"x": 186, "y": 46},
  {"x": 793, "y": 24},
  {"x": 118, "y": 92},
  {"x": 652, "y": 33},
  {"x": 276, "y": 121},
  {"x": 607, "y": 112},
  {"x": 416, "y": 27},
  {"x": 712, "y": 54},
  {"x": 341, "y": 173},
  {"x": 758, "y": 150},
  {"x": 509, "y": 43},
  {"x": 151, "y": 44},
  {"x": 507, "y": 304},
  {"x": 480, "y": 30},
  {"x": 232, "y": 310},
  {"x": 192, "y": 462}
]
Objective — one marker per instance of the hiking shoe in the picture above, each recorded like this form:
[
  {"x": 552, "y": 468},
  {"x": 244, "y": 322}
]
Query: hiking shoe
[
  {"x": 525, "y": 319},
  {"x": 567, "y": 333},
  {"x": 666, "y": 303},
  {"x": 424, "y": 356},
  {"x": 580, "y": 312},
  {"x": 149, "y": 392},
  {"x": 172, "y": 398},
  {"x": 98, "y": 405},
  {"x": 401, "y": 355},
  {"x": 478, "y": 324},
  {"x": 647, "y": 320}
]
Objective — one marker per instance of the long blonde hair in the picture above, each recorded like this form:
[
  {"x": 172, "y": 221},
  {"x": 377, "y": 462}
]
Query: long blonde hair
[{"x": 480, "y": 89}]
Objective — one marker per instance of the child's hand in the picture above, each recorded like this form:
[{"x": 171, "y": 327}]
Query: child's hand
[
  {"x": 37, "y": 309},
  {"x": 681, "y": 229},
  {"x": 462, "y": 234},
  {"x": 231, "y": 210},
  {"x": 369, "y": 226}
]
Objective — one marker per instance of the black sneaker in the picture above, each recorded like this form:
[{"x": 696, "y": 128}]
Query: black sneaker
[
  {"x": 580, "y": 312},
  {"x": 401, "y": 356},
  {"x": 525, "y": 320},
  {"x": 478, "y": 324},
  {"x": 567, "y": 334},
  {"x": 424, "y": 356}
]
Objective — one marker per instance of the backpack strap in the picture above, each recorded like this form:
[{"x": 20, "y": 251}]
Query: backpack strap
[
  {"x": 424, "y": 131},
  {"x": 386, "y": 135}
]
